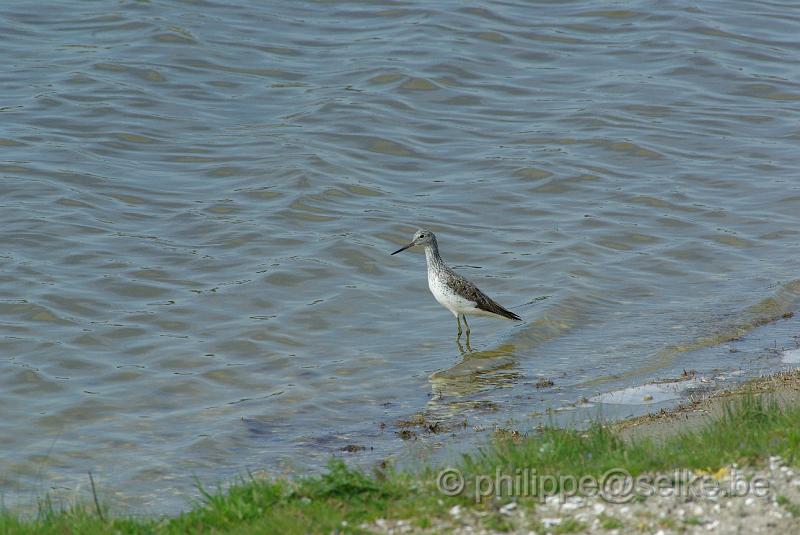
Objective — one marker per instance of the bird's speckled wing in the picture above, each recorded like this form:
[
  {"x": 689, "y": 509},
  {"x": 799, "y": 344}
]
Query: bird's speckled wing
[{"x": 468, "y": 290}]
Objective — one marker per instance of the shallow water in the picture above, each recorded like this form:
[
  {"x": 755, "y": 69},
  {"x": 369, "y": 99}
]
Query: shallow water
[{"x": 198, "y": 202}]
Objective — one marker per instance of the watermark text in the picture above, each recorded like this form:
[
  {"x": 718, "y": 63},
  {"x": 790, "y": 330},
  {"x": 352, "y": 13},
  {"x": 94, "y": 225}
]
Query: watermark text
[{"x": 616, "y": 485}]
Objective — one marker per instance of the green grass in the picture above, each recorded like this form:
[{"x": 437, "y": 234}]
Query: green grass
[
  {"x": 344, "y": 498},
  {"x": 568, "y": 525},
  {"x": 610, "y": 522},
  {"x": 748, "y": 432},
  {"x": 789, "y": 505}
]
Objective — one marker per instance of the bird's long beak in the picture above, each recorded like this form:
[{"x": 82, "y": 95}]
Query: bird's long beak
[{"x": 400, "y": 250}]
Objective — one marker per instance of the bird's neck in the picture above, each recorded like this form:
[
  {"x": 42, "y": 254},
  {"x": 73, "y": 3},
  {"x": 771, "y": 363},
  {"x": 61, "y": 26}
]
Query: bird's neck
[{"x": 435, "y": 261}]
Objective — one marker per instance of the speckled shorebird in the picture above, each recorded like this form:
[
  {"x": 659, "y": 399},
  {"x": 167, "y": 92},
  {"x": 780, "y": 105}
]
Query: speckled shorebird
[{"x": 454, "y": 292}]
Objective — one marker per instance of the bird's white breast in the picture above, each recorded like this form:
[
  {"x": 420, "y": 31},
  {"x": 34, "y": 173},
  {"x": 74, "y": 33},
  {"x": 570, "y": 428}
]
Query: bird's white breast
[{"x": 447, "y": 297}]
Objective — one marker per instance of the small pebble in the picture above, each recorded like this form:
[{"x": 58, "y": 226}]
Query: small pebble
[
  {"x": 552, "y": 500},
  {"x": 550, "y": 522},
  {"x": 570, "y": 506},
  {"x": 508, "y": 508},
  {"x": 599, "y": 507}
]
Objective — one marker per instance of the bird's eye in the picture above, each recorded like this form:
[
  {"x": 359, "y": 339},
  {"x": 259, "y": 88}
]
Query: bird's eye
[{"x": 422, "y": 235}]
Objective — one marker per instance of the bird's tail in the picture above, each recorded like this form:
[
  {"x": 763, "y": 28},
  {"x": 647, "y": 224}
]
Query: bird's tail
[
  {"x": 494, "y": 308},
  {"x": 508, "y": 314}
]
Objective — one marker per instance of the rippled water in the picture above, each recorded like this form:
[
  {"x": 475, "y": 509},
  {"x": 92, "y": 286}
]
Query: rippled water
[{"x": 197, "y": 202}]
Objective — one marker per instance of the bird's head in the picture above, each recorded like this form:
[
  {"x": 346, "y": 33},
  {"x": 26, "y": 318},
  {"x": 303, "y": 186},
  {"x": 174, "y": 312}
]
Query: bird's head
[{"x": 421, "y": 237}]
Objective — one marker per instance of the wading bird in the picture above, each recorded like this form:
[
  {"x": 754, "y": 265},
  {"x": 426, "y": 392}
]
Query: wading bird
[{"x": 451, "y": 290}]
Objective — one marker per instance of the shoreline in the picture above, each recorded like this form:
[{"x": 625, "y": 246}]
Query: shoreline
[
  {"x": 689, "y": 510},
  {"x": 783, "y": 387},
  {"x": 737, "y": 436}
]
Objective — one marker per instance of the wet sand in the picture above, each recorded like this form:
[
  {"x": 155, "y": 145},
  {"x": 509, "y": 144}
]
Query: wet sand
[{"x": 783, "y": 387}]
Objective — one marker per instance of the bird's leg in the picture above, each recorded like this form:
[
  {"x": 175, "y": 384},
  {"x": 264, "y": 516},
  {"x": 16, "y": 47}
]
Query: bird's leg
[
  {"x": 458, "y": 319},
  {"x": 467, "y": 326}
]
